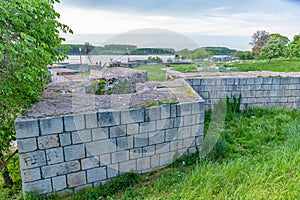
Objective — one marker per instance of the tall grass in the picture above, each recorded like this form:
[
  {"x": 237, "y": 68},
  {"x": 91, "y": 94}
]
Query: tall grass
[{"x": 154, "y": 72}]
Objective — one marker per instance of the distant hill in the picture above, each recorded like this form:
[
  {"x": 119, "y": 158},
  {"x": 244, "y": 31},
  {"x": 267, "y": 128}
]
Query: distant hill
[{"x": 219, "y": 50}]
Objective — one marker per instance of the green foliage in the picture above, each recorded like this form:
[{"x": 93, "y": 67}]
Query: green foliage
[
  {"x": 219, "y": 50},
  {"x": 120, "y": 88},
  {"x": 155, "y": 59},
  {"x": 273, "y": 49},
  {"x": 153, "y": 51},
  {"x": 150, "y": 104},
  {"x": 101, "y": 88},
  {"x": 109, "y": 49},
  {"x": 244, "y": 55}
]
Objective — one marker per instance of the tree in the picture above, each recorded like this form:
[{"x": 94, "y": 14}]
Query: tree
[
  {"x": 273, "y": 49},
  {"x": 29, "y": 42},
  {"x": 283, "y": 39},
  {"x": 293, "y": 49},
  {"x": 259, "y": 40}
]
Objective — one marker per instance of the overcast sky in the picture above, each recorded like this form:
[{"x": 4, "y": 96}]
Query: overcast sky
[{"x": 206, "y": 22}]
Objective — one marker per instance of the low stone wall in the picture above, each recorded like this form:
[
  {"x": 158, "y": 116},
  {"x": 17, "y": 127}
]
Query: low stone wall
[
  {"x": 259, "y": 92},
  {"x": 71, "y": 152}
]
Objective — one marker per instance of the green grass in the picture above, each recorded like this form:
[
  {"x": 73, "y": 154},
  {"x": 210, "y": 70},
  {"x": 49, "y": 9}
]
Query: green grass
[
  {"x": 184, "y": 68},
  {"x": 274, "y": 65},
  {"x": 154, "y": 72}
]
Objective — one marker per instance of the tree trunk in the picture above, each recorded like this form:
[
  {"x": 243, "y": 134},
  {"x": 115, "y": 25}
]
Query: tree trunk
[
  {"x": 270, "y": 59},
  {"x": 5, "y": 174}
]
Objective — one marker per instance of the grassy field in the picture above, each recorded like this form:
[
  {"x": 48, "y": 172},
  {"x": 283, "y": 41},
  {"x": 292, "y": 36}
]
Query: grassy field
[
  {"x": 256, "y": 157},
  {"x": 274, "y": 65},
  {"x": 154, "y": 72}
]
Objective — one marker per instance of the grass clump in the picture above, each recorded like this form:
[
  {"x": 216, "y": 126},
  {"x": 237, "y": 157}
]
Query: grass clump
[
  {"x": 154, "y": 72},
  {"x": 184, "y": 68}
]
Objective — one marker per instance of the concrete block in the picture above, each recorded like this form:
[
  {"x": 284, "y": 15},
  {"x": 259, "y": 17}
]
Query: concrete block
[
  {"x": 59, "y": 183},
  {"x": 74, "y": 122},
  {"x": 26, "y": 128},
  {"x": 32, "y": 160},
  {"x": 267, "y": 81},
  {"x": 189, "y": 120},
  {"x": 171, "y": 134},
  {"x": 112, "y": 170},
  {"x": 284, "y": 80},
  {"x": 189, "y": 81},
  {"x": 124, "y": 143},
  {"x": 164, "y": 124},
  {"x": 96, "y": 174},
  {"x": 105, "y": 159},
  {"x": 250, "y": 81},
  {"x": 27, "y": 145},
  {"x": 40, "y": 187},
  {"x": 197, "y": 107},
  {"x": 189, "y": 142},
  {"x": 51, "y": 125},
  {"x": 135, "y": 153},
  {"x": 199, "y": 118},
  {"x": 141, "y": 140},
  {"x": 29, "y": 175},
  {"x": 54, "y": 156},
  {"x": 147, "y": 127},
  {"x": 91, "y": 120},
  {"x": 176, "y": 145},
  {"x": 166, "y": 158},
  {"x": 162, "y": 148},
  {"x": 199, "y": 140},
  {"x": 117, "y": 131},
  {"x": 108, "y": 118},
  {"x": 195, "y": 82},
  {"x": 184, "y": 109},
  {"x": 76, "y": 179},
  {"x": 132, "y": 116},
  {"x": 178, "y": 122},
  {"x": 100, "y": 134},
  {"x": 152, "y": 113},
  {"x": 89, "y": 163},
  {"x": 156, "y": 137},
  {"x": 65, "y": 139},
  {"x": 173, "y": 110},
  {"x": 132, "y": 129},
  {"x": 127, "y": 166},
  {"x": 120, "y": 156},
  {"x": 276, "y": 81},
  {"x": 81, "y": 136},
  {"x": 165, "y": 111},
  {"x": 154, "y": 161},
  {"x": 82, "y": 187},
  {"x": 101, "y": 147},
  {"x": 148, "y": 151},
  {"x": 74, "y": 152},
  {"x": 258, "y": 81},
  {"x": 184, "y": 132},
  {"x": 143, "y": 164},
  {"x": 197, "y": 130}
]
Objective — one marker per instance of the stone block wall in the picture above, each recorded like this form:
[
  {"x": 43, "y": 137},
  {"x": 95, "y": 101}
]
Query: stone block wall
[
  {"x": 259, "y": 92},
  {"x": 71, "y": 152}
]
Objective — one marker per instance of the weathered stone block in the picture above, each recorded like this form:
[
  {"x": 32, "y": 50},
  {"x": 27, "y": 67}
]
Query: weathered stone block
[
  {"x": 127, "y": 166},
  {"x": 108, "y": 118},
  {"x": 173, "y": 109},
  {"x": 59, "y": 183},
  {"x": 154, "y": 161},
  {"x": 184, "y": 132},
  {"x": 120, "y": 156},
  {"x": 74, "y": 122},
  {"x": 148, "y": 151},
  {"x": 65, "y": 139},
  {"x": 91, "y": 120},
  {"x": 199, "y": 141},
  {"x": 100, "y": 134},
  {"x": 96, "y": 174},
  {"x": 26, "y": 128},
  {"x": 136, "y": 153},
  {"x": 156, "y": 137},
  {"x": 105, "y": 159},
  {"x": 198, "y": 107},
  {"x": 143, "y": 164},
  {"x": 162, "y": 148},
  {"x": 197, "y": 130},
  {"x": 166, "y": 158},
  {"x": 171, "y": 134},
  {"x": 189, "y": 142},
  {"x": 117, "y": 131},
  {"x": 165, "y": 111},
  {"x": 112, "y": 170},
  {"x": 27, "y": 145},
  {"x": 176, "y": 145},
  {"x": 51, "y": 125},
  {"x": 178, "y": 122},
  {"x": 124, "y": 143},
  {"x": 141, "y": 140},
  {"x": 60, "y": 169},
  {"x": 32, "y": 160},
  {"x": 54, "y": 156},
  {"x": 81, "y": 136},
  {"x": 40, "y": 187},
  {"x": 91, "y": 162},
  {"x": 74, "y": 152},
  {"x": 76, "y": 179},
  {"x": 152, "y": 113},
  {"x": 147, "y": 127},
  {"x": 132, "y": 116},
  {"x": 101, "y": 147},
  {"x": 189, "y": 120},
  {"x": 195, "y": 82},
  {"x": 29, "y": 175},
  {"x": 184, "y": 109},
  {"x": 132, "y": 129},
  {"x": 164, "y": 124}
]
